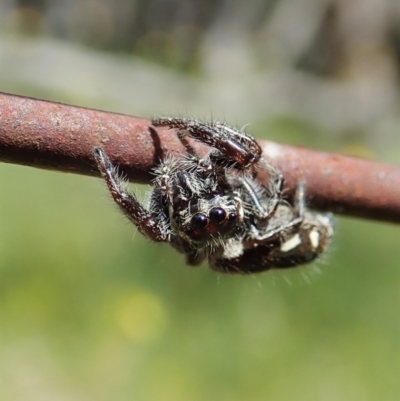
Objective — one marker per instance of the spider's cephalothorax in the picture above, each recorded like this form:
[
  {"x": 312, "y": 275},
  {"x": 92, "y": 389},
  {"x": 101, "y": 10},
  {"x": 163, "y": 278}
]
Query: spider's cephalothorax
[{"x": 214, "y": 207}]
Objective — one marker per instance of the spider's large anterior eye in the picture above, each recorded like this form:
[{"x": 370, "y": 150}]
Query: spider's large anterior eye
[
  {"x": 199, "y": 221},
  {"x": 217, "y": 215}
]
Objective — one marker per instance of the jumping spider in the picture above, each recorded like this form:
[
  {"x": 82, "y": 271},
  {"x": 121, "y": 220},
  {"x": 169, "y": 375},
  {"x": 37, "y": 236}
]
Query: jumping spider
[{"x": 214, "y": 207}]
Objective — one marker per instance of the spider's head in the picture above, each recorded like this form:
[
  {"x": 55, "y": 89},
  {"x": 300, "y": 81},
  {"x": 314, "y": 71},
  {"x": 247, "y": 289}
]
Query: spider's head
[{"x": 211, "y": 220}]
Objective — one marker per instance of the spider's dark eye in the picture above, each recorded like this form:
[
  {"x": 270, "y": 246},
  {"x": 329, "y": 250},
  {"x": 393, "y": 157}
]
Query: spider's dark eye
[
  {"x": 217, "y": 215},
  {"x": 199, "y": 221},
  {"x": 232, "y": 216}
]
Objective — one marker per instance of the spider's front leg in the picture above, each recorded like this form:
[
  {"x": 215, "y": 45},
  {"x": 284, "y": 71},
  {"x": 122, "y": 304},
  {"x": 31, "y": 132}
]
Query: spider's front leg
[
  {"x": 231, "y": 144},
  {"x": 148, "y": 223},
  {"x": 257, "y": 193},
  {"x": 282, "y": 218}
]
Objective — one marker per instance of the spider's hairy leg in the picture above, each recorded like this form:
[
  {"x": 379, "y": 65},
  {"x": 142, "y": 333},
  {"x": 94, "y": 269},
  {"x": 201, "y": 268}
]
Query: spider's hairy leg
[
  {"x": 182, "y": 135},
  {"x": 256, "y": 193},
  {"x": 147, "y": 222},
  {"x": 192, "y": 159},
  {"x": 278, "y": 224},
  {"x": 231, "y": 144}
]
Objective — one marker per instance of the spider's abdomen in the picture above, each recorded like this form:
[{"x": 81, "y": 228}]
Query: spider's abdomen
[{"x": 295, "y": 247}]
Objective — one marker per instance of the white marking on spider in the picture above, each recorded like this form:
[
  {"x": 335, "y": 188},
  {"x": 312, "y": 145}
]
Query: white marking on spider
[
  {"x": 314, "y": 238},
  {"x": 291, "y": 243},
  {"x": 233, "y": 249}
]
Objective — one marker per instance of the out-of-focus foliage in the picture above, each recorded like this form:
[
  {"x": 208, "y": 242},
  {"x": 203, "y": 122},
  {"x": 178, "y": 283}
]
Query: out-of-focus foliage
[{"x": 89, "y": 310}]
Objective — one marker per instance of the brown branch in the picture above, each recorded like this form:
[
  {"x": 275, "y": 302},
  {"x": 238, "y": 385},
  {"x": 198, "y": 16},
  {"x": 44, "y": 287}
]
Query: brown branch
[{"x": 61, "y": 137}]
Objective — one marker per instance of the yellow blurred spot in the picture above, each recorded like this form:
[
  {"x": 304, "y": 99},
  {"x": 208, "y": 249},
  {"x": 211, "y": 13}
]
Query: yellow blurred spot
[
  {"x": 140, "y": 315},
  {"x": 358, "y": 150}
]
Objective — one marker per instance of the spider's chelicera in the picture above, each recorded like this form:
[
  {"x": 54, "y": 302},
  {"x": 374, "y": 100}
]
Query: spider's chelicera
[{"x": 214, "y": 207}]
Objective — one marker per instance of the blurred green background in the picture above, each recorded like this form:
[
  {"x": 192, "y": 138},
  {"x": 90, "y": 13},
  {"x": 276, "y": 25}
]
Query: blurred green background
[{"x": 90, "y": 310}]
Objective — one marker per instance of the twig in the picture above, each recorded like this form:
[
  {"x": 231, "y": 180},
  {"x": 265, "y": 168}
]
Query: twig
[{"x": 60, "y": 137}]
